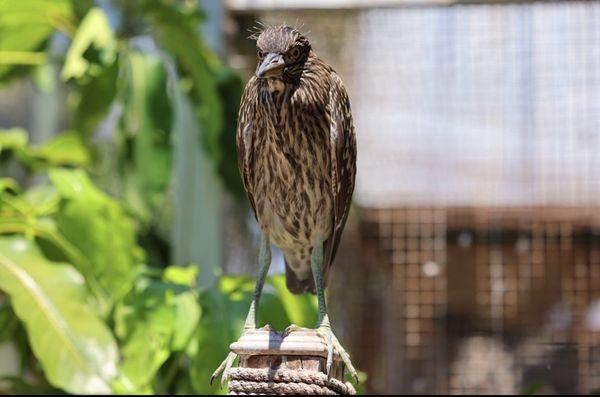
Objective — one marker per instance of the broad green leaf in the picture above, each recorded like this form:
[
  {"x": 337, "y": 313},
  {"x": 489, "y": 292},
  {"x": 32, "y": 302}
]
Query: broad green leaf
[
  {"x": 43, "y": 199},
  {"x": 13, "y": 139},
  {"x": 155, "y": 319},
  {"x": 9, "y": 184},
  {"x": 25, "y": 26},
  {"x": 99, "y": 227},
  {"x": 92, "y": 49},
  {"x": 187, "y": 316},
  {"x": 75, "y": 348},
  {"x": 221, "y": 324},
  {"x": 181, "y": 275},
  {"x": 64, "y": 149}
]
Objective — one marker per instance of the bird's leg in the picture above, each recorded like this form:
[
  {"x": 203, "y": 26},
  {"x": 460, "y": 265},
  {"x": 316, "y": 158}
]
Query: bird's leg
[
  {"x": 251, "y": 323},
  {"x": 323, "y": 325}
]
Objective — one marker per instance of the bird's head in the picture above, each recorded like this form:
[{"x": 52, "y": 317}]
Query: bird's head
[{"x": 282, "y": 51}]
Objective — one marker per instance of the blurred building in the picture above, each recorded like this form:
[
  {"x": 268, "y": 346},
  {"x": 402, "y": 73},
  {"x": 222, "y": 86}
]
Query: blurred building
[{"x": 472, "y": 261}]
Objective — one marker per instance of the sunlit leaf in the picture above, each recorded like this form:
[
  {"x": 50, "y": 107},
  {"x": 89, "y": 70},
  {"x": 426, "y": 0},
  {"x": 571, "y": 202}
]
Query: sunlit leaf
[
  {"x": 154, "y": 320},
  {"x": 64, "y": 149},
  {"x": 181, "y": 275},
  {"x": 221, "y": 324},
  {"x": 76, "y": 350},
  {"x": 98, "y": 226},
  {"x": 187, "y": 316},
  {"x": 13, "y": 139},
  {"x": 301, "y": 309},
  {"x": 9, "y": 184},
  {"x": 93, "y": 47},
  {"x": 25, "y": 27}
]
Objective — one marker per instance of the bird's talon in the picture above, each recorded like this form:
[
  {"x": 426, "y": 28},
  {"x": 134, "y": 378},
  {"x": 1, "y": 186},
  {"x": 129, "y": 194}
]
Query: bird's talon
[
  {"x": 267, "y": 328},
  {"x": 224, "y": 369},
  {"x": 333, "y": 344},
  {"x": 292, "y": 328}
]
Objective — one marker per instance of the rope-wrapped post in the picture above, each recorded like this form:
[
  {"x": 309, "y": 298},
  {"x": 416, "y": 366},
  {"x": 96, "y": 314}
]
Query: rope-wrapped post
[{"x": 295, "y": 364}]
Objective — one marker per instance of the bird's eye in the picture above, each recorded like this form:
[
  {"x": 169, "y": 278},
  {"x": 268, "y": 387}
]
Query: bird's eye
[
  {"x": 260, "y": 54},
  {"x": 295, "y": 53}
]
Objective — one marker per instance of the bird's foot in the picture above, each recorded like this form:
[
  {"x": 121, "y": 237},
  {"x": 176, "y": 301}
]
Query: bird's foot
[
  {"x": 226, "y": 365},
  {"x": 224, "y": 368},
  {"x": 293, "y": 328},
  {"x": 333, "y": 344}
]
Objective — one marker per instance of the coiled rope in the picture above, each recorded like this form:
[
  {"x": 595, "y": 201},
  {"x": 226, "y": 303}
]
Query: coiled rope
[{"x": 261, "y": 381}]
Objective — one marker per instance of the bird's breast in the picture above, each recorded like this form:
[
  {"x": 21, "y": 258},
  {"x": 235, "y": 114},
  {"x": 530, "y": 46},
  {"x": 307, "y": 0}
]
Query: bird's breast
[{"x": 292, "y": 190}]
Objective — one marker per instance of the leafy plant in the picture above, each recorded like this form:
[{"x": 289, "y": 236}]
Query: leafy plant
[
  {"x": 88, "y": 303},
  {"x": 97, "y": 319}
]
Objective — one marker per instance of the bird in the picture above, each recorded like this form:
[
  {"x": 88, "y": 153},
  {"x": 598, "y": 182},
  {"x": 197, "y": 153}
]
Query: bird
[{"x": 296, "y": 149}]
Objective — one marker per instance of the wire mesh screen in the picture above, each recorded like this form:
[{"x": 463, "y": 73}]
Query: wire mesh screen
[
  {"x": 477, "y": 239},
  {"x": 479, "y": 105}
]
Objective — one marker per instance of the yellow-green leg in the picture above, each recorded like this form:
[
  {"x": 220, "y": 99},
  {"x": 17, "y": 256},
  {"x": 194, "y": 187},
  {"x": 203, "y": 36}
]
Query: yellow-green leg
[
  {"x": 323, "y": 326},
  {"x": 251, "y": 323}
]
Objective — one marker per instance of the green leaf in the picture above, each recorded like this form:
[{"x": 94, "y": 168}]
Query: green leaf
[
  {"x": 187, "y": 316},
  {"x": 155, "y": 320},
  {"x": 176, "y": 28},
  {"x": 64, "y": 149},
  {"x": 18, "y": 386},
  {"x": 9, "y": 184},
  {"x": 181, "y": 275},
  {"x": 13, "y": 139},
  {"x": 221, "y": 324},
  {"x": 145, "y": 137},
  {"x": 25, "y": 27},
  {"x": 42, "y": 199},
  {"x": 8, "y": 320},
  {"x": 75, "y": 348},
  {"x": 301, "y": 309},
  {"x": 93, "y": 47},
  {"x": 99, "y": 227},
  {"x": 91, "y": 99}
]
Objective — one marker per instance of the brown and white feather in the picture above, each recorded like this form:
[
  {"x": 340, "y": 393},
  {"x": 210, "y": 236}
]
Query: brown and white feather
[{"x": 297, "y": 153}]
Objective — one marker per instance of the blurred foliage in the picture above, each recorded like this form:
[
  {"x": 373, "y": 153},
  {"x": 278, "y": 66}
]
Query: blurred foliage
[
  {"x": 86, "y": 302},
  {"x": 95, "y": 317}
]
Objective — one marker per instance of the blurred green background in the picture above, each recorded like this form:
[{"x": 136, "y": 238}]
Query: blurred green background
[
  {"x": 470, "y": 262},
  {"x": 110, "y": 277}
]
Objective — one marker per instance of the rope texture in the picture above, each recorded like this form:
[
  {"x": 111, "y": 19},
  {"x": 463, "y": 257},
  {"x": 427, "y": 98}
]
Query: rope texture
[{"x": 261, "y": 381}]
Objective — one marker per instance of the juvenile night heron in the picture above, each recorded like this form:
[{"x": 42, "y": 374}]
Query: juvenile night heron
[{"x": 297, "y": 156}]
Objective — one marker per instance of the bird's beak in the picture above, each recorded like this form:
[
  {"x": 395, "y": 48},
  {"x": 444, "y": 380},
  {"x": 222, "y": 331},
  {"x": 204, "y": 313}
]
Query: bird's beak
[{"x": 271, "y": 65}]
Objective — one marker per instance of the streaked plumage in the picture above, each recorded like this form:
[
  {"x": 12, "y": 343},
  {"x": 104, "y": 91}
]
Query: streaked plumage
[{"x": 297, "y": 153}]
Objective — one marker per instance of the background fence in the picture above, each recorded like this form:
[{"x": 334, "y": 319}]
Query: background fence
[{"x": 471, "y": 263}]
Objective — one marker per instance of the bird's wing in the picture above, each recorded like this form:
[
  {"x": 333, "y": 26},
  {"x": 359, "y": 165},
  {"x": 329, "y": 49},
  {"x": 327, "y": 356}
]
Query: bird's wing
[
  {"x": 342, "y": 140},
  {"x": 244, "y": 137}
]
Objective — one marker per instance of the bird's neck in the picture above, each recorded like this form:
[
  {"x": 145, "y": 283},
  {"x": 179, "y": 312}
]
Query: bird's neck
[
  {"x": 277, "y": 90},
  {"x": 275, "y": 86}
]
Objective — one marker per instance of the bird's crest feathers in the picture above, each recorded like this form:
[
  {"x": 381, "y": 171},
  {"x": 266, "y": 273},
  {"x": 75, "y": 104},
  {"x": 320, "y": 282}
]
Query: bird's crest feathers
[{"x": 277, "y": 38}]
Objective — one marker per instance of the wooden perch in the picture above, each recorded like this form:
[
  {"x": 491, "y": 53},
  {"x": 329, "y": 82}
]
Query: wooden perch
[{"x": 294, "y": 364}]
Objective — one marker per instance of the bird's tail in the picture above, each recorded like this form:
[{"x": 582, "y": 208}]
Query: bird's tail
[{"x": 297, "y": 286}]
